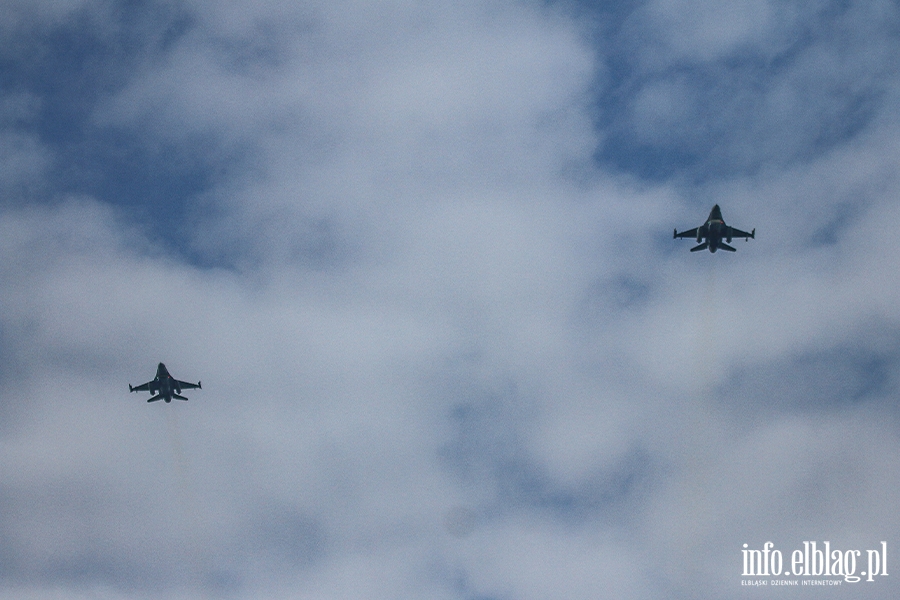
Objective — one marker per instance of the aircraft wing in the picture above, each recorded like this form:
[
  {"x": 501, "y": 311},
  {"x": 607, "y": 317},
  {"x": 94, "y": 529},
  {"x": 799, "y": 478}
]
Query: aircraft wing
[
  {"x": 690, "y": 233},
  {"x": 144, "y": 387},
  {"x": 186, "y": 385},
  {"x": 737, "y": 233}
]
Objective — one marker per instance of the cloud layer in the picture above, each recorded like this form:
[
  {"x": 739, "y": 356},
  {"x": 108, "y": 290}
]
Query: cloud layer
[{"x": 419, "y": 257}]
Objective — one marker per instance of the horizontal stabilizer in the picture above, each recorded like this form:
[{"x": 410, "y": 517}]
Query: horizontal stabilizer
[
  {"x": 179, "y": 397},
  {"x": 702, "y": 246},
  {"x": 155, "y": 398},
  {"x": 725, "y": 246}
]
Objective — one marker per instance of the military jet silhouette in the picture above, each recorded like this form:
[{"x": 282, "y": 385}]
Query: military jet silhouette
[
  {"x": 713, "y": 231},
  {"x": 164, "y": 386}
]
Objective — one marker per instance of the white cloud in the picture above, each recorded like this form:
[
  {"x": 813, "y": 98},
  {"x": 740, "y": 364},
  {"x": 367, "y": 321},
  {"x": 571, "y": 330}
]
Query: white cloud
[
  {"x": 434, "y": 308},
  {"x": 711, "y": 30},
  {"x": 25, "y": 163}
]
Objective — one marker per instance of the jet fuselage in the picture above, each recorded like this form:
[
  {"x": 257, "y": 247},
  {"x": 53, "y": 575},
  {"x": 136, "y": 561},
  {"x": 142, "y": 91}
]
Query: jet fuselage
[
  {"x": 715, "y": 231},
  {"x": 164, "y": 384}
]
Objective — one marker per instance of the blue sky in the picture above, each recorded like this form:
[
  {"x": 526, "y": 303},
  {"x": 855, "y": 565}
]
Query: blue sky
[{"x": 419, "y": 255}]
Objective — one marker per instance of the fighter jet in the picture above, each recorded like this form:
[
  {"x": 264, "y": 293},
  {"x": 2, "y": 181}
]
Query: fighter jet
[
  {"x": 164, "y": 386},
  {"x": 713, "y": 231}
]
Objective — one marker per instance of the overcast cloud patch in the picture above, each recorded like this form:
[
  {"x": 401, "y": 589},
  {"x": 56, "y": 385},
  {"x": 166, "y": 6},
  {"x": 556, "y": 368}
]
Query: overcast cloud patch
[{"x": 419, "y": 256}]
